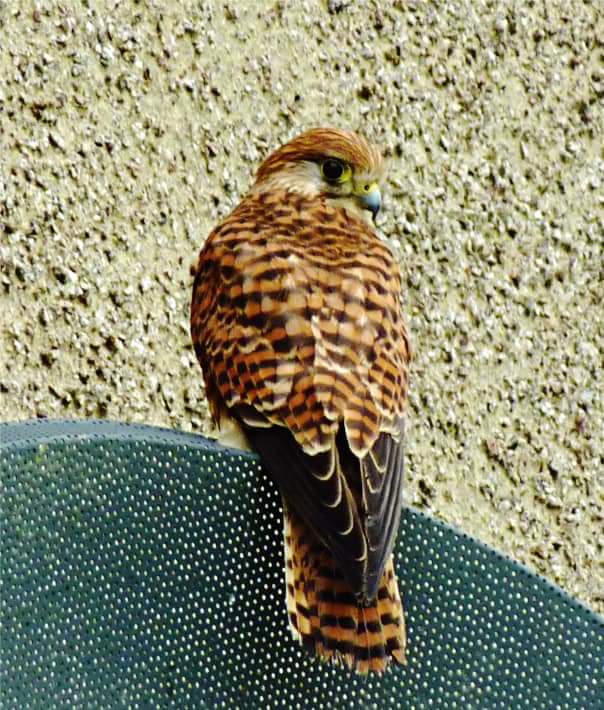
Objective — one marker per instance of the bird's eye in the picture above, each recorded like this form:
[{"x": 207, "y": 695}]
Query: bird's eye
[{"x": 335, "y": 170}]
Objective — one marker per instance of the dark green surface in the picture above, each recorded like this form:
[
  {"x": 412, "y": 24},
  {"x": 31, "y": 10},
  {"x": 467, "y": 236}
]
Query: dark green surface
[{"x": 144, "y": 568}]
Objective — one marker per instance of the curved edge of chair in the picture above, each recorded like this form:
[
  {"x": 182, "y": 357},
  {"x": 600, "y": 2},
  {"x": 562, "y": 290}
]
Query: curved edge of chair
[
  {"x": 23, "y": 433},
  {"x": 519, "y": 566},
  {"x": 43, "y": 431}
]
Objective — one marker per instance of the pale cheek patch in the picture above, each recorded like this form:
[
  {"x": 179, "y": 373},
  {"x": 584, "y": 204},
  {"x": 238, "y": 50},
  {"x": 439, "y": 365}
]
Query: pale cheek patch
[{"x": 303, "y": 177}]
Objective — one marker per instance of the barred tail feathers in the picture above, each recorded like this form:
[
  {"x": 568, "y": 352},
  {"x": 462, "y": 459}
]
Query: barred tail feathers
[{"x": 324, "y": 614}]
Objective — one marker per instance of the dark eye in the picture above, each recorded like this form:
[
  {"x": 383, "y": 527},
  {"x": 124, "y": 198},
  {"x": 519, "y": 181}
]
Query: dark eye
[{"x": 333, "y": 169}]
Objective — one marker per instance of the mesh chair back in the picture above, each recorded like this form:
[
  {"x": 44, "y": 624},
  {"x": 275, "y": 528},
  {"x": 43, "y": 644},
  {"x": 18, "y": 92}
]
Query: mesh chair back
[{"x": 144, "y": 568}]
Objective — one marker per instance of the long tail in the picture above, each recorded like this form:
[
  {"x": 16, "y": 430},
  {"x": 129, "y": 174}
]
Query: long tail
[{"x": 324, "y": 614}]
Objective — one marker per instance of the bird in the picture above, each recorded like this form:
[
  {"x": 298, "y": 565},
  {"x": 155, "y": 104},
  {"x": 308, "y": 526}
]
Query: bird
[{"x": 297, "y": 322}]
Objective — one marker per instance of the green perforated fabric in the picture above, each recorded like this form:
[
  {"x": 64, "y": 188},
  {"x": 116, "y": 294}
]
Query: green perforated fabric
[{"x": 144, "y": 568}]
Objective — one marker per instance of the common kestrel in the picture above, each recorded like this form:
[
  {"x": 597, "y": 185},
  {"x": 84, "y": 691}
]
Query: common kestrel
[{"x": 296, "y": 320}]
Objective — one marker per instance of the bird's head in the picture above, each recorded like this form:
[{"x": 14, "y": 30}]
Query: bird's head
[{"x": 325, "y": 162}]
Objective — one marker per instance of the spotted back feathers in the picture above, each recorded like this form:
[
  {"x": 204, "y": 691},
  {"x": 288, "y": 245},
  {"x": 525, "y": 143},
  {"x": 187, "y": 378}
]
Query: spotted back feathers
[{"x": 296, "y": 312}]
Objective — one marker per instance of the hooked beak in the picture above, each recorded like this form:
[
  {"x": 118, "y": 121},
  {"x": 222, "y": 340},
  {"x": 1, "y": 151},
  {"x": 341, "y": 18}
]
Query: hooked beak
[{"x": 369, "y": 197}]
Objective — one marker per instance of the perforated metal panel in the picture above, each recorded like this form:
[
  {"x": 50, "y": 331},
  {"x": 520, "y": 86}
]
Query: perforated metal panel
[{"x": 144, "y": 568}]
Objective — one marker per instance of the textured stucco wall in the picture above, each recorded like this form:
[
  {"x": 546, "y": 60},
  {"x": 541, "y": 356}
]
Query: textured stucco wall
[{"x": 128, "y": 129}]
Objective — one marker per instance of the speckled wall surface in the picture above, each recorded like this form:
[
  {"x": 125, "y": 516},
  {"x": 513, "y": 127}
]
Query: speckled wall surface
[{"x": 128, "y": 129}]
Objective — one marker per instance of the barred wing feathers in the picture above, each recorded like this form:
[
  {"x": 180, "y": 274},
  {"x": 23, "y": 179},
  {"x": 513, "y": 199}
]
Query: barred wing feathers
[{"x": 297, "y": 323}]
